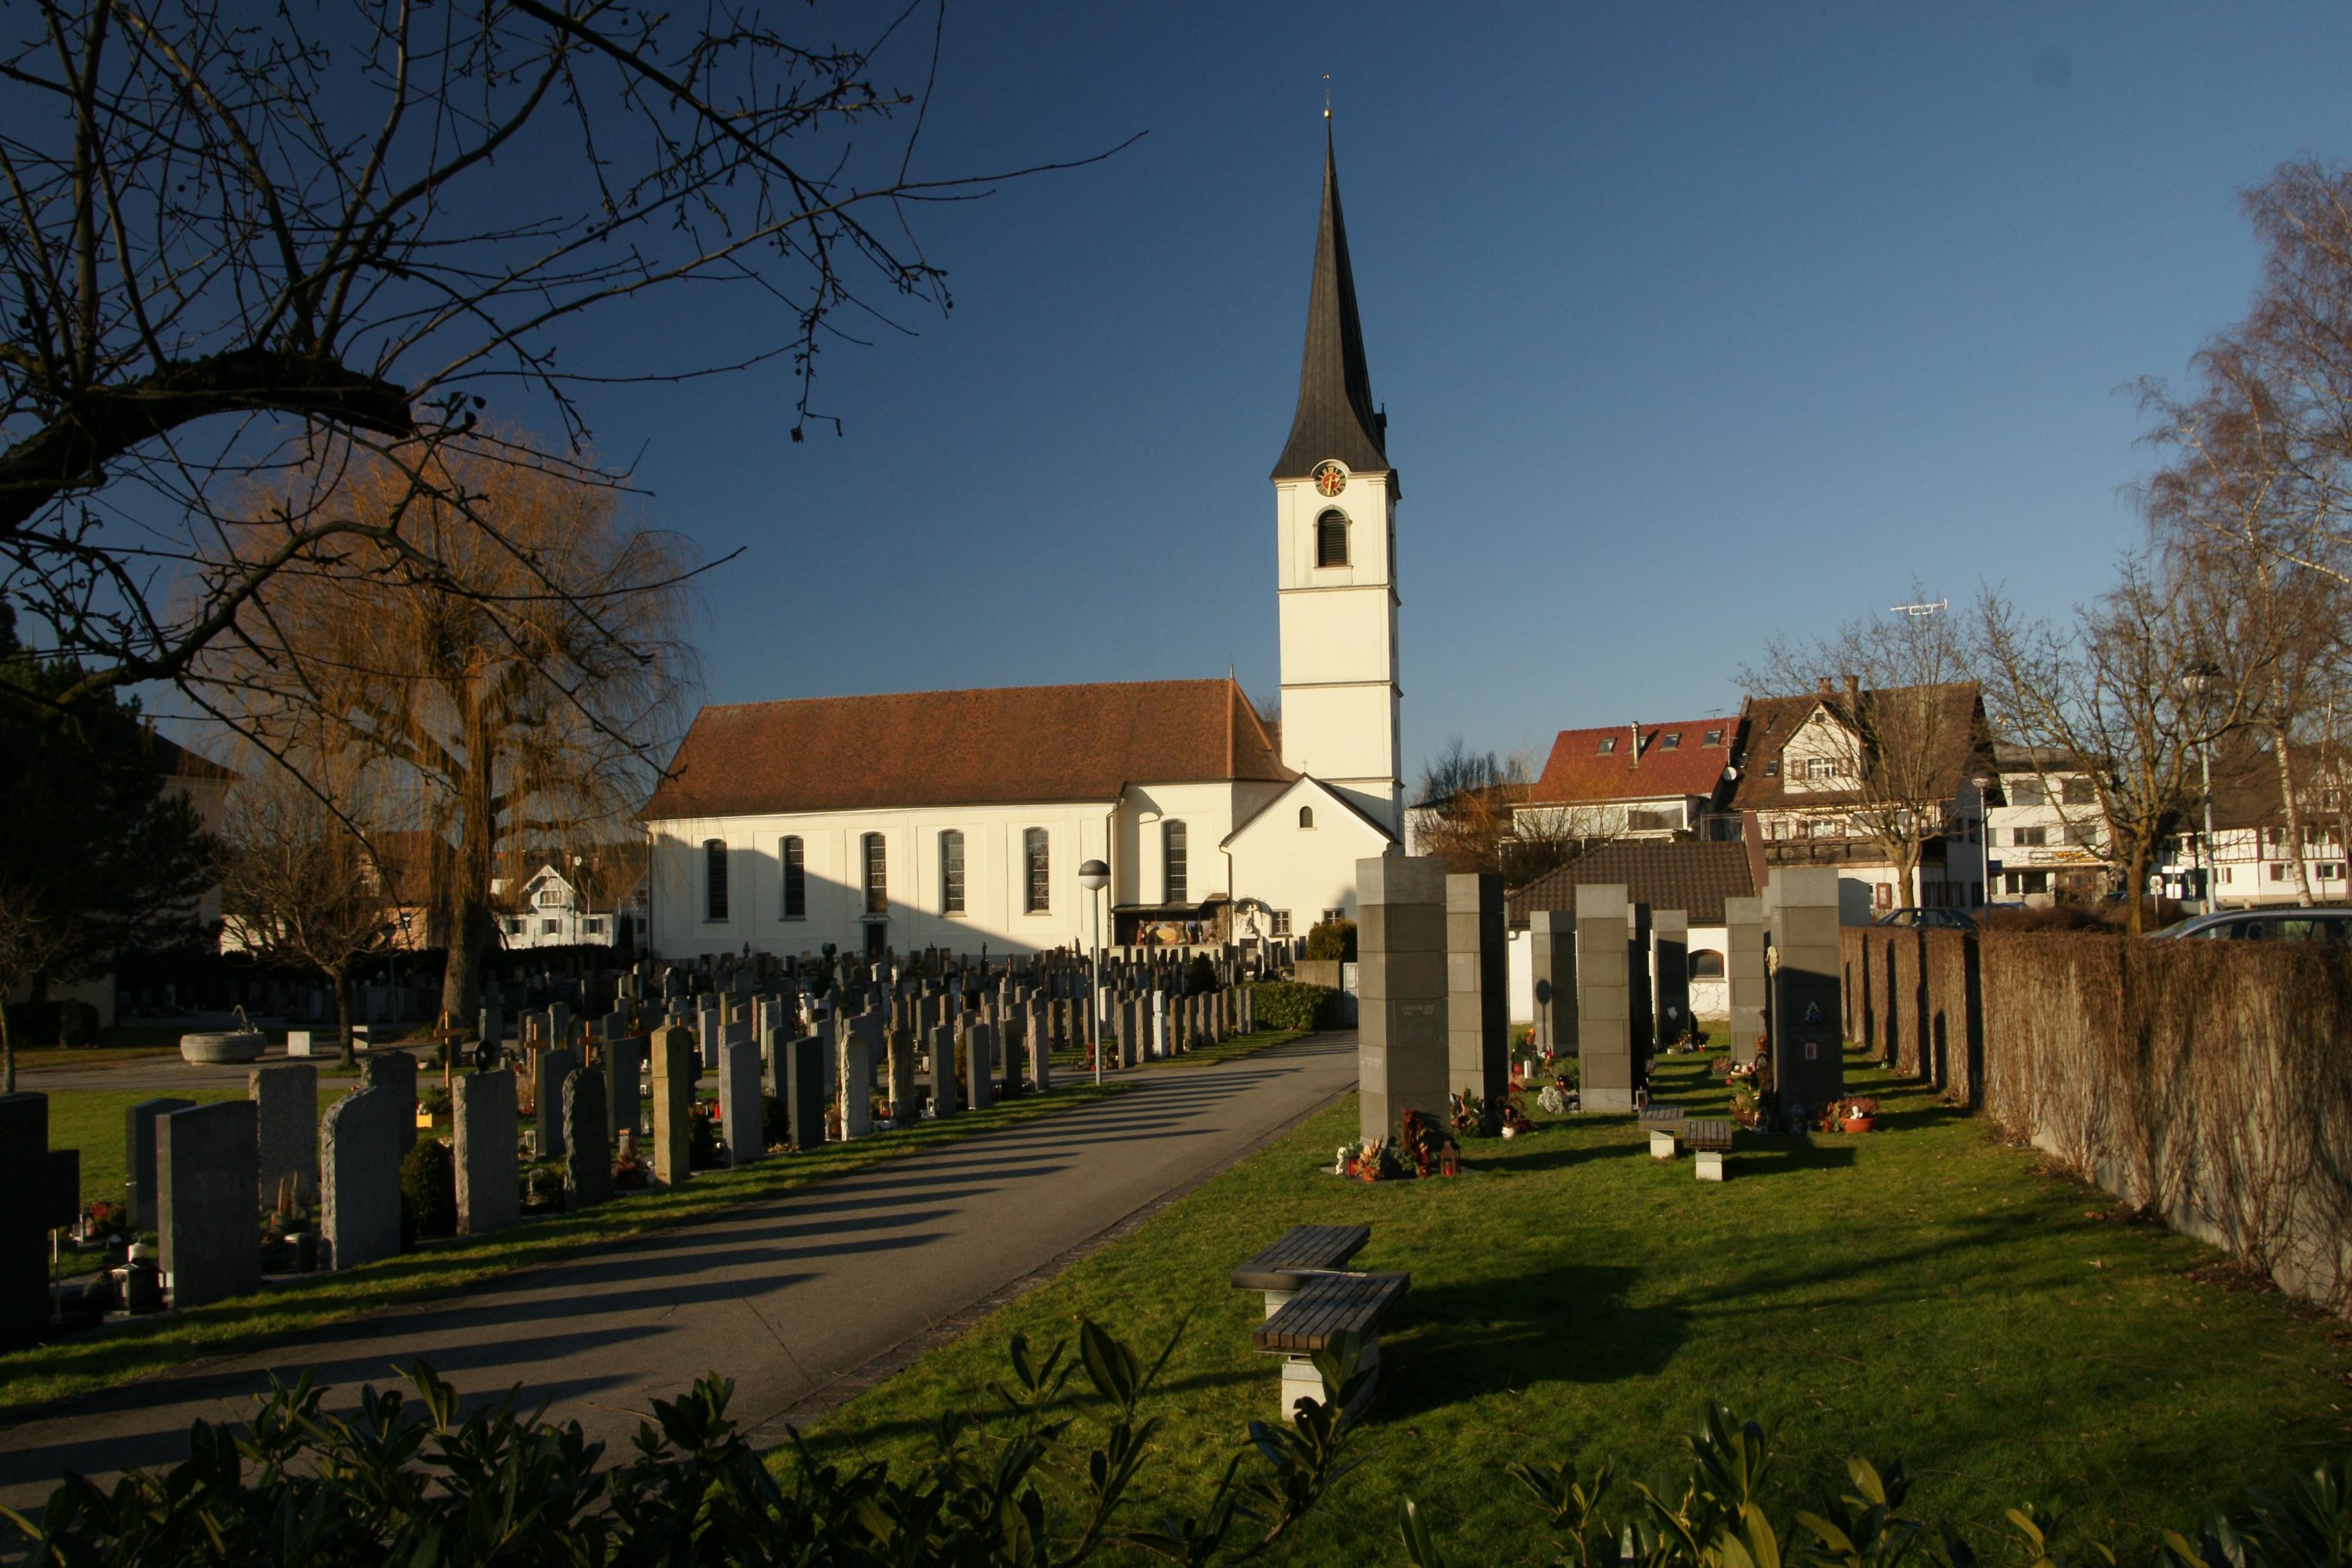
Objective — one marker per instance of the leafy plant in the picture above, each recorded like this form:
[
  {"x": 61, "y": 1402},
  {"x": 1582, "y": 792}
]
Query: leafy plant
[
  {"x": 1295, "y": 1004},
  {"x": 1332, "y": 940},
  {"x": 428, "y": 1191}
]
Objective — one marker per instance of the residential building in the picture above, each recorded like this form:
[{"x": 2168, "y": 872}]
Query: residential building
[
  {"x": 1695, "y": 875},
  {"x": 2253, "y": 851},
  {"x": 1634, "y": 780},
  {"x": 2049, "y": 838}
]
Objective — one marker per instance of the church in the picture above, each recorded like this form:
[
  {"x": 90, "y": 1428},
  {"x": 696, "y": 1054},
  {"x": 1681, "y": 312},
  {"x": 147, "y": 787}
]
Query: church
[{"x": 959, "y": 819}]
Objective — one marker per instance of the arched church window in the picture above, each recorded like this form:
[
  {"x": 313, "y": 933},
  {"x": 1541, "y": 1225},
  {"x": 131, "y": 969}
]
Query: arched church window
[
  {"x": 714, "y": 879},
  {"x": 1332, "y": 539},
  {"x": 1171, "y": 836},
  {"x": 794, "y": 858},
  {"x": 1305, "y": 816},
  {"x": 1707, "y": 964},
  {"x": 951, "y": 872},
  {"x": 1034, "y": 853},
  {"x": 877, "y": 875}
]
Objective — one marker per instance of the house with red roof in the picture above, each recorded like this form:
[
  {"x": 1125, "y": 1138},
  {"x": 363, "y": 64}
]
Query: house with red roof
[{"x": 1634, "y": 780}]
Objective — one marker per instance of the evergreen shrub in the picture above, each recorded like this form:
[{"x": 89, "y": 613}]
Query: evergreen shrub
[
  {"x": 1295, "y": 1004},
  {"x": 429, "y": 1192}
]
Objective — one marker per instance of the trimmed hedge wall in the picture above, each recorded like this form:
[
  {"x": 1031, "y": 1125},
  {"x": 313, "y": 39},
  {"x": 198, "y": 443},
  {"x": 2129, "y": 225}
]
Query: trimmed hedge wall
[{"x": 1295, "y": 1004}]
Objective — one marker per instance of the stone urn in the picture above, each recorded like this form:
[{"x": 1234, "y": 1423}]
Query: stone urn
[{"x": 223, "y": 1047}]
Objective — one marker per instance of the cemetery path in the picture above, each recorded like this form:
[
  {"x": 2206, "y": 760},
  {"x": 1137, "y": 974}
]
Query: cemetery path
[{"x": 803, "y": 1299}]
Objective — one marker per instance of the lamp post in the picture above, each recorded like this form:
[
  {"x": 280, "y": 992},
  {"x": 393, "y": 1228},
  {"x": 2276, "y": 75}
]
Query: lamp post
[
  {"x": 1984, "y": 842},
  {"x": 1093, "y": 876}
]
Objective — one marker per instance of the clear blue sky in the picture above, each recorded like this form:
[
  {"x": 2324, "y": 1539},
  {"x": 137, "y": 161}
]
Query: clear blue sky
[{"x": 1693, "y": 324}]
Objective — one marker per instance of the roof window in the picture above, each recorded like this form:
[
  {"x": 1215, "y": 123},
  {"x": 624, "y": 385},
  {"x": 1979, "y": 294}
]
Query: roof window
[
  {"x": 1607, "y": 744},
  {"x": 1671, "y": 742},
  {"x": 1772, "y": 768},
  {"x": 1713, "y": 737}
]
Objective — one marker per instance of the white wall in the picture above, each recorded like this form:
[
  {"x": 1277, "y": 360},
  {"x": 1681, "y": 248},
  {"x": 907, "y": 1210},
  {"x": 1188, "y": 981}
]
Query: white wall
[
  {"x": 1339, "y": 644},
  {"x": 1304, "y": 870}
]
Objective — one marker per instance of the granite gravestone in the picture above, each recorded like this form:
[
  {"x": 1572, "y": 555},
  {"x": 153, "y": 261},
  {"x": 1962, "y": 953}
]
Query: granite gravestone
[
  {"x": 139, "y": 1157},
  {"x": 1670, "y": 975},
  {"x": 739, "y": 1102},
  {"x": 286, "y": 1116},
  {"x": 805, "y": 1082},
  {"x": 675, "y": 1055},
  {"x": 208, "y": 1163},
  {"x": 1807, "y": 1042},
  {"x": 395, "y": 1072},
  {"x": 1477, "y": 991},
  {"x": 1401, "y": 1040},
  {"x": 484, "y": 1125},
  {"x": 979, "y": 1068},
  {"x": 1604, "y": 1024},
  {"x": 587, "y": 1140},
  {"x": 1551, "y": 952},
  {"x": 360, "y": 1150},
  {"x": 1743, "y": 971}
]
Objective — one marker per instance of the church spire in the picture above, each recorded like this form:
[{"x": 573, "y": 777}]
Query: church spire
[{"x": 1336, "y": 417}]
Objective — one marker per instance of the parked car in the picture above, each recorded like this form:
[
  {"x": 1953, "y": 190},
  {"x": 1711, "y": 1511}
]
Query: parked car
[
  {"x": 2287, "y": 922},
  {"x": 1927, "y": 920}
]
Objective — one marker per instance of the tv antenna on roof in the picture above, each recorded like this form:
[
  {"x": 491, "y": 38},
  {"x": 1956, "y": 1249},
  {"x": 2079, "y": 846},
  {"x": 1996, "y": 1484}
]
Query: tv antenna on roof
[
  {"x": 1326, "y": 95},
  {"x": 1919, "y": 612}
]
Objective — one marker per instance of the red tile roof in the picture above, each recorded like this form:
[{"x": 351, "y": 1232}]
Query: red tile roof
[
  {"x": 1579, "y": 770},
  {"x": 1963, "y": 742},
  {"x": 1001, "y": 746},
  {"x": 1695, "y": 875}
]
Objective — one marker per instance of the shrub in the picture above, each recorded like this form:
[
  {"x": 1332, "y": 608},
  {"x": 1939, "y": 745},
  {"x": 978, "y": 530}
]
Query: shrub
[
  {"x": 772, "y": 1127},
  {"x": 1200, "y": 975},
  {"x": 429, "y": 1192},
  {"x": 1333, "y": 939},
  {"x": 433, "y": 1099},
  {"x": 384, "y": 1486},
  {"x": 1295, "y": 1004},
  {"x": 702, "y": 1147}
]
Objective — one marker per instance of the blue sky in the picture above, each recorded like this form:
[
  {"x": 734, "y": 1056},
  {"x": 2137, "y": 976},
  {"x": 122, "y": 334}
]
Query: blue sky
[{"x": 1693, "y": 324}]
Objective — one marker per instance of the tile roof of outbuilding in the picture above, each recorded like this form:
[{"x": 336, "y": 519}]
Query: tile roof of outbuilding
[
  {"x": 1692, "y": 875},
  {"x": 1964, "y": 743},
  {"x": 990, "y": 746},
  {"x": 1672, "y": 759}
]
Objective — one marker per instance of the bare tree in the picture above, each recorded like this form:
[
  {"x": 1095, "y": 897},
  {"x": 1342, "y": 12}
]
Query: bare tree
[
  {"x": 1462, "y": 814},
  {"x": 511, "y": 716},
  {"x": 237, "y": 241},
  {"x": 1902, "y": 730},
  {"x": 298, "y": 884},
  {"x": 2130, "y": 693}
]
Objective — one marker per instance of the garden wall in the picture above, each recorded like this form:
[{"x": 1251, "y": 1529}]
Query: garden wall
[{"x": 2208, "y": 1082}]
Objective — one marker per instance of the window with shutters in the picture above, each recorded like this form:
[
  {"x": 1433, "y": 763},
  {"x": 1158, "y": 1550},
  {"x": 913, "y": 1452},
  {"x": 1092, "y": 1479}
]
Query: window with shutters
[
  {"x": 1332, "y": 539},
  {"x": 1034, "y": 858},
  {"x": 1171, "y": 839},
  {"x": 951, "y": 872},
  {"x": 877, "y": 876},
  {"x": 714, "y": 879},
  {"x": 796, "y": 863}
]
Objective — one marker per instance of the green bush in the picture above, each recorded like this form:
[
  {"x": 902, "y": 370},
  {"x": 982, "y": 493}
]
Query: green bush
[
  {"x": 1200, "y": 976},
  {"x": 1295, "y": 1004},
  {"x": 1333, "y": 939},
  {"x": 305, "y": 1486},
  {"x": 429, "y": 1192}
]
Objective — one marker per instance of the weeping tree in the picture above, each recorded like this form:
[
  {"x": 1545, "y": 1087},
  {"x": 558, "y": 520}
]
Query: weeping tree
[{"x": 502, "y": 715}]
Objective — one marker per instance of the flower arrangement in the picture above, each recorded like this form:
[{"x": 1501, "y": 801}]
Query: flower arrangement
[
  {"x": 1368, "y": 1162},
  {"x": 1419, "y": 1149},
  {"x": 1468, "y": 1117},
  {"x": 1511, "y": 1117},
  {"x": 1856, "y": 1113}
]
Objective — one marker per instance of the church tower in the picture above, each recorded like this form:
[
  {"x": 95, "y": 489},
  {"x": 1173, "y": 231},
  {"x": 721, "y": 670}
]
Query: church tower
[{"x": 1335, "y": 510}]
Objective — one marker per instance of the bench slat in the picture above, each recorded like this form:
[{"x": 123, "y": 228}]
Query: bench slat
[
  {"x": 1709, "y": 1133},
  {"x": 1304, "y": 1248},
  {"x": 1326, "y": 1306}
]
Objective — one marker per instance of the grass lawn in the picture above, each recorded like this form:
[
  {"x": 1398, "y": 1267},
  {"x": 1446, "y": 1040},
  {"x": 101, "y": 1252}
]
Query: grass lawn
[
  {"x": 103, "y": 1359},
  {"x": 1924, "y": 1290},
  {"x": 90, "y": 1120},
  {"x": 1071, "y": 1063}
]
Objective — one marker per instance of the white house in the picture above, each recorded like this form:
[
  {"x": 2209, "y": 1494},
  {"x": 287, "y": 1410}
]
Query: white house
[
  {"x": 960, "y": 818},
  {"x": 550, "y": 911},
  {"x": 2049, "y": 835},
  {"x": 2252, "y": 854}
]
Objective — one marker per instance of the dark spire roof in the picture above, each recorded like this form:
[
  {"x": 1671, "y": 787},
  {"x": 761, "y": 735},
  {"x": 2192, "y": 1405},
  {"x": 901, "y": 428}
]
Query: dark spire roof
[{"x": 1336, "y": 417}]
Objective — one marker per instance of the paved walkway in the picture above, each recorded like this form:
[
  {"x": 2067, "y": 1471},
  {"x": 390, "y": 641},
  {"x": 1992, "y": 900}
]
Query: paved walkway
[{"x": 802, "y": 1298}]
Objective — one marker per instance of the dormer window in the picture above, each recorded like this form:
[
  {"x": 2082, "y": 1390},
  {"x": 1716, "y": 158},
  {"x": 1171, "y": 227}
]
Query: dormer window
[
  {"x": 1607, "y": 744},
  {"x": 1713, "y": 737},
  {"x": 1772, "y": 768},
  {"x": 1672, "y": 742}
]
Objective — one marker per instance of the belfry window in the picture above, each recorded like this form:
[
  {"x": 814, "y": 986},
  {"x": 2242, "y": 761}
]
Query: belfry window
[{"x": 1332, "y": 539}]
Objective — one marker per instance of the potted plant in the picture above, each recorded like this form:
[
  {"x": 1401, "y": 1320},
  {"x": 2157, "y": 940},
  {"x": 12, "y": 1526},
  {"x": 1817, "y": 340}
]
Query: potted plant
[{"x": 1857, "y": 1114}]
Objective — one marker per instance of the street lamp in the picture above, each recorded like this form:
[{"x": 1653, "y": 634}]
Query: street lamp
[
  {"x": 2198, "y": 682},
  {"x": 1093, "y": 876},
  {"x": 1984, "y": 842}
]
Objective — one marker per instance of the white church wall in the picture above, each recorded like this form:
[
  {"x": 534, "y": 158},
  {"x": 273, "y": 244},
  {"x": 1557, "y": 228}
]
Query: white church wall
[
  {"x": 1303, "y": 870},
  {"x": 995, "y": 911},
  {"x": 1140, "y": 870}
]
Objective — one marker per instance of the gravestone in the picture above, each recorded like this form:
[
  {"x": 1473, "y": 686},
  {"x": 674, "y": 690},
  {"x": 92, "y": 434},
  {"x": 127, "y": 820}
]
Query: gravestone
[
  {"x": 1743, "y": 972},
  {"x": 1130, "y": 1032},
  {"x": 901, "y": 1088},
  {"x": 1401, "y": 1042},
  {"x": 44, "y": 1187},
  {"x": 483, "y": 1122},
  {"x": 1007, "y": 1036},
  {"x": 624, "y": 1067},
  {"x": 806, "y": 1082},
  {"x": 1807, "y": 1028},
  {"x": 587, "y": 1140},
  {"x": 1604, "y": 1023},
  {"x": 551, "y": 1071},
  {"x": 359, "y": 1150},
  {"x": 286, "y": 1116},
  {"x": 980, "y": 1067},
  {"x": 1249, "y": 1009},
  {"x": 711, "y": 1031},
  {"x": 1670, "y": 973},
  {"x": 857, "y": 1079},
  {"x": 1477, "y": 990},
  {"x": 1041, "y": 1050},
  {"x": 945, "y": 1100},
  {"x": 1641, "y": 1002},
  {"x": 1551, "y": 952},
  {"x": 139, "y": 1157},
  {"x": 675, "y": 1055},
  {"x": 395, "y": 1072},
  {"x": 739, "y": 1102},
  {"x": 208, "y": 1163},
  {"x": 1160, "y": 1024}
]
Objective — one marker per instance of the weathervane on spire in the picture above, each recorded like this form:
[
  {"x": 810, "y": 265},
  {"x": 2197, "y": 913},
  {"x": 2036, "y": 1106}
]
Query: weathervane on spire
[{"x": 1326, "y": 95}]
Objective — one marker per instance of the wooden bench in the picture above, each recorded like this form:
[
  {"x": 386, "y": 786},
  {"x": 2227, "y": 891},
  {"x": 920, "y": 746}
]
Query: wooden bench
[
  {"x": 1710, "y": 1138},
  {"x": 1664, "y": 1123},
  {"x": 1324, "y": 1307},
  {"x": 1304, "y": 1250}
]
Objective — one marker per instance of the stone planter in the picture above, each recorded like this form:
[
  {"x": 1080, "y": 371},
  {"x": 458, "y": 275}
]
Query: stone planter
[{"x": 223, "y": 1047}]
